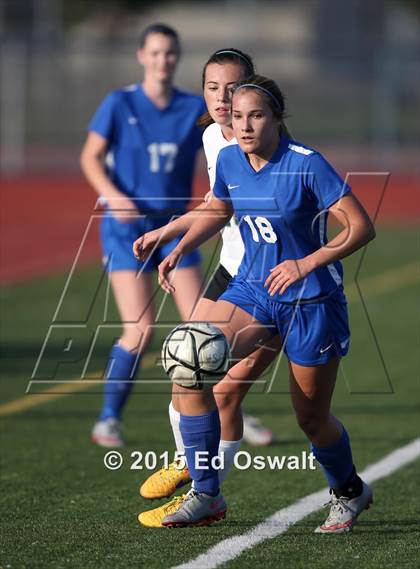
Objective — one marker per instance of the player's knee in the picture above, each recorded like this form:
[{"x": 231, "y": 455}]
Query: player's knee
[
  {"x": 230, "y": 411},
  {"x": 134, "y": 338},
  {"x": 310, "y": 422},
  {"x": 227, "y": 402}
]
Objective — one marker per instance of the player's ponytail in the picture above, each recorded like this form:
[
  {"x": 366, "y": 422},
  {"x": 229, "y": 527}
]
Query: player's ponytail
[
  {"x": 273, "y": 96},
  {"x": 222, "y": 56}
]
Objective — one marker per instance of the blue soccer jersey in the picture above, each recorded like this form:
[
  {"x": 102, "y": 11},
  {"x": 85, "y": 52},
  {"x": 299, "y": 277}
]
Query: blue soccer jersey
[
  {"x": 151, "y": 151},
  {"x": 282, "y": 214}
]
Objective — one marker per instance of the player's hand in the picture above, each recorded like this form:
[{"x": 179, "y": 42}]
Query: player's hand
[
  {"x": 286, "y": 274},
  {"x": 145, "y": 244},
  {"x": 123, "y": 209},
  {"x": 166, "y": 266},
  {"x": 208, "y": 197}
]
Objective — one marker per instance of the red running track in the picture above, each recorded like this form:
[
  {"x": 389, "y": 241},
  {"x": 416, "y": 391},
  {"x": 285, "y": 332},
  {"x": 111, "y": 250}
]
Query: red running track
[{"x": 43, "y": 218}]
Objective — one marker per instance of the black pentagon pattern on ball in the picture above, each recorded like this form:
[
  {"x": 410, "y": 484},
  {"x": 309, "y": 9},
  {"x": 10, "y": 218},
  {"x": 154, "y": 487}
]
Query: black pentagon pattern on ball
[
  {"x": 198, "y": 373},
  {"x": 166, "y": 350},
  {"x": 184, "y": 363}
]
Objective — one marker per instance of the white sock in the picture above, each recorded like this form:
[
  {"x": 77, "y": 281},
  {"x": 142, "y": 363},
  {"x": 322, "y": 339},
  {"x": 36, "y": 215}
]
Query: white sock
[
  {"x": 175, "y": 417},
  {"x": 229, "y": 449}
]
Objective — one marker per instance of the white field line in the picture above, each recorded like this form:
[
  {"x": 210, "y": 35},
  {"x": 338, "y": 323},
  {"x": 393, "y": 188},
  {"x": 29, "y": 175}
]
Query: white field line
[{"x": 280, "y": 522}]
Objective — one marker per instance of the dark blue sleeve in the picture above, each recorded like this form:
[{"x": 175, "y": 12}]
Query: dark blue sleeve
[
  {"x": 220, "y": 189},
  {"x": 321, "y": 178},
  {"x": 103, "y": 121}
]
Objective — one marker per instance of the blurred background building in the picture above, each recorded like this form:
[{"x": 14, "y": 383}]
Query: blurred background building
[{"x": 349, "y": 69}]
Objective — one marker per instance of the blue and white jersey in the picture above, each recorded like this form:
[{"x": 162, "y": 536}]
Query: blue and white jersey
[
  {"x": 282, "y": 214},
  {"x": 152, "y": 151}
]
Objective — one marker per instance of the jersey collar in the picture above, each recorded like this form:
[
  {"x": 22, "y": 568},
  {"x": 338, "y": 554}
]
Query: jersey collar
[
  {"x": 278, "y": 153},
  {"x": 152, "y": 104}
]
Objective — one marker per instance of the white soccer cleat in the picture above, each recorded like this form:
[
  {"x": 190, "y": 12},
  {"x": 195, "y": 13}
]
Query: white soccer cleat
[
  {"x": 197, "y": 509},
  {"x": 345, "y": 511},
  {"x": 107, "y": 433},
  {"x": 255, "y": 434}
]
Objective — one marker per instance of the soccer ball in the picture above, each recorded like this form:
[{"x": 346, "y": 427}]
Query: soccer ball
[{"x": 195, "y": 354}]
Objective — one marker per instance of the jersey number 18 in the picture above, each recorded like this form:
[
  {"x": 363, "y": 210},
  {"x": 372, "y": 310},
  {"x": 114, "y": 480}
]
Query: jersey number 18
[{"x": 263, "y": 228}]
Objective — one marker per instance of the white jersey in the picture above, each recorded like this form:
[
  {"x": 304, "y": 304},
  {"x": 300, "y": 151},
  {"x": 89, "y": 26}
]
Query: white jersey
[{"x": 232, "y": 247}]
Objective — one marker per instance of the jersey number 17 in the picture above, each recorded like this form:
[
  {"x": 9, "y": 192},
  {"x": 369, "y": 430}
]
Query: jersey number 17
[{"x": 167, "y": 150}]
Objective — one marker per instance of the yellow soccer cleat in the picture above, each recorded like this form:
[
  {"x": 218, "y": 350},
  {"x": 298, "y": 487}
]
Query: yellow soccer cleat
[
  {"x": 166, "y": 481},
  {"x": 153, "y": 518}
]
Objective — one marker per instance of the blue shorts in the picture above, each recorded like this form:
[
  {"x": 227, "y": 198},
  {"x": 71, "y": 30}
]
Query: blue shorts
[
  {"x": 312, "y": 332},
  {"x": 117, "y": 244}
]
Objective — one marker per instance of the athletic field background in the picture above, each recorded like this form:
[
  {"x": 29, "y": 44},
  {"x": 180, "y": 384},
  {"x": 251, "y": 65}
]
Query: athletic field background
[
  {"x": 62, "y": 508},
  {"x": 349, "y": 71}
]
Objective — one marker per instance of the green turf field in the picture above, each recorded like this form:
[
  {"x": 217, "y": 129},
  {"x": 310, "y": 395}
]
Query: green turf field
[{"x": 62, "y": 508}]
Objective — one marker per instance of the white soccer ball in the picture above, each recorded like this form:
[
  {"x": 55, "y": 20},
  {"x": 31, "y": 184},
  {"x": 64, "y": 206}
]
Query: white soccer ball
[{"x": 196, "y": 355}]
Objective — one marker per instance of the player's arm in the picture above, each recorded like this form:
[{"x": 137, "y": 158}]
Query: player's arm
[
  {"x": 207, "y": 224},
  {"x": 92, "y": 161},
  {"x": 145, "y": 244},
  {"x": 357, "y": 231}
]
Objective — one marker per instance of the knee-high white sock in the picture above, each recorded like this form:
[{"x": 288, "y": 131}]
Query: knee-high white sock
[
  {"x": 175, "y": 417},
  {"x": 229, "y": 449}
]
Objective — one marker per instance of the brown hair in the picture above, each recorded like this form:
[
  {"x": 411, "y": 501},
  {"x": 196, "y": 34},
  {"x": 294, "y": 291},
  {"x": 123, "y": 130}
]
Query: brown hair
[
  {"x": 221, "y": 56},
  {"x": 273, "y": 96},
  {"x": 159, "y": 29}
]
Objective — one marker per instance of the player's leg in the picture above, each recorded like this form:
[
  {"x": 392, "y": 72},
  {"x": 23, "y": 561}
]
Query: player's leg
[
  {"x": 229, "y": 398},
  {"x": 244, "y": 333},
  {"x": 133, "y": 295},
  {"x": 235, "y": 425},
  {"x": 229, "y": 395},
  {"x": 188, "y": 283},
  {"x": 166, "y": 481},
  {"x": 199, "y": 314},
  {"x": 187, "y": 280},
  {"x": 230, "y": 392},
  {"x": 200, "y": 424},
  {"x": 163, "y": 483},
  {"x": 317, "y": 337},
  {"x": 311, "y": 390}
]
